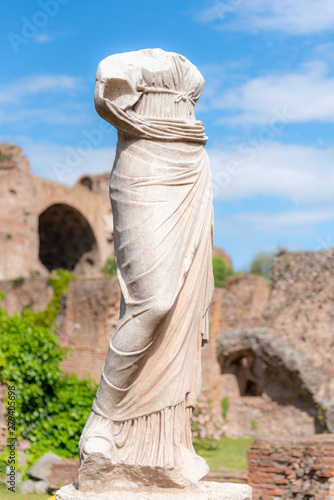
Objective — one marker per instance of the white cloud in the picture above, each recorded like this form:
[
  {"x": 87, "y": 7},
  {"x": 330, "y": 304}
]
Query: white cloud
[
  {"x": 295, "y": 17},
  {"x": 35, "y": 99},
  {"x": 306, "y": 94},
  {"x": 325, "y": 50},
  {"x": 301, "y": 174},
  {"x": 17, "y": 90},
  {"x": 65, "y": 164}
]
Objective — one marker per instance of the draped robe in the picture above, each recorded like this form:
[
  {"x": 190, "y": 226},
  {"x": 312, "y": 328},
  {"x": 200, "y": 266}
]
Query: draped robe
[{"x": 161, "y": 196}]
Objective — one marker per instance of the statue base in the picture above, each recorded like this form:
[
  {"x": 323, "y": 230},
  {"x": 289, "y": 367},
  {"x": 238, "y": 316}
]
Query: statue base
[{"x": 206, "y": 490}]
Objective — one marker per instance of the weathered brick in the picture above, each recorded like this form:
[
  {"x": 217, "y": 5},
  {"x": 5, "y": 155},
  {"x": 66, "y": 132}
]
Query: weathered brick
[{"x": 290, "y": 468}]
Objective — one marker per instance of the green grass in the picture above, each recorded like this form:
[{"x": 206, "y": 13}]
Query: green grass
[
  {"x": 230, "y": 454},
  {"x": 10, "y": 495}
]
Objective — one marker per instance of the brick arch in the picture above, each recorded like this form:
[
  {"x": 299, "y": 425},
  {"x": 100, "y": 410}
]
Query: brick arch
[
  {"x": 87, "y": 202},
  {"x": 67, "y": 240}
]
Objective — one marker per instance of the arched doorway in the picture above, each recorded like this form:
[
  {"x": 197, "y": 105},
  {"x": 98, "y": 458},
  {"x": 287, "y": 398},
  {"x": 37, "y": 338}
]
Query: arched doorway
[
  {"x": 67, "y": 241},
  {"x": 250, "y": 373}
]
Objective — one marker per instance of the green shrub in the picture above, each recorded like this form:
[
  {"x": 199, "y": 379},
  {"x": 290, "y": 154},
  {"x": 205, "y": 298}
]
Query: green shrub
[
  {"x": 225, "y": 406},
  {"x": 51, "y": 409},
  {"x": 221, "y": 271},
  {"x": 32, "y": 359},
  {"x": 67, "y": 414},
  {"x": 109, "y": 267}
]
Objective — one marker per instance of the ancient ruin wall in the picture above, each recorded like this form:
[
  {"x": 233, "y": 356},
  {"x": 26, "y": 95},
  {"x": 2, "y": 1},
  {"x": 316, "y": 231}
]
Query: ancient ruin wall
[
  {"x": 43, "y": 222},
  {"x": 18, "y": 221},
  {"x": 241, "y": 303},
  {"x": 300, "y": 311},
  {"x": 91, "y": 316},
  {"x": 292, "y": 470}
]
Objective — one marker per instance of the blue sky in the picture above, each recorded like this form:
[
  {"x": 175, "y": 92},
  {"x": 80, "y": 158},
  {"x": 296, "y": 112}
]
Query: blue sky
[{"x": 268, "y": 102}]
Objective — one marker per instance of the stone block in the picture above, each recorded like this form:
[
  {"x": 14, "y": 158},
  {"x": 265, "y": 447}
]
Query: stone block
[
  {"x": 27, "y": 486},
  {"x": 41, "y": 469},
  {"x": 206, "y": 490},
  {"x": 41, "y": 486}
]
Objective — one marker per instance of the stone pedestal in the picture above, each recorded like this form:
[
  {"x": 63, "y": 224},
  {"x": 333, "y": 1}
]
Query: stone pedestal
[{"x": 206, "y": 491}]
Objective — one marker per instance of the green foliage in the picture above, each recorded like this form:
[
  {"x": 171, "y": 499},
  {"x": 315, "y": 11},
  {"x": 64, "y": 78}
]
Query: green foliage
[
  {"x": 225, "y": 406},
  {"x": 32, "y": 360},
  {"x": 262, "y": 264},
  {"x": 51, "y": 409},
  {"x": 109, "y": 267},
  {"x": 59, "y": 281},
  {"x": 221, "y": 271},
  {"x": 18, "y": 281},
  {"x": 322, "y": 417},
  {"x": 67, "y": 413}
]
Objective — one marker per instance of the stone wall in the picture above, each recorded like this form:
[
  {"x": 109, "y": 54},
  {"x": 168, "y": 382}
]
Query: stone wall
[
  {"x": 91, "y": 315},
  {"x": 258, "y": 399},
  {"x": 292, "y": 470},
  {"x": 284, "y": 368},
  {"x": 265, "y": 386},
  {"x": 26, "y": 292},
  {"x": 63, "y": 472},
  {"x": 300, "y": 312},
  {"x": 241, "y": 303},
  {"x": 18, "y": 221}
]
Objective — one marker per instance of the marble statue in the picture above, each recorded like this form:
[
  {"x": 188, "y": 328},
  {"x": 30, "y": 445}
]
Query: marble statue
[
  {"x": 160, "y": 191},
  {"x": 138, "y": 433}
]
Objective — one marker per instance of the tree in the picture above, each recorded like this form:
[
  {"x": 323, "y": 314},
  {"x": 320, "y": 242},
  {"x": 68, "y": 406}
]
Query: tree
[
  {"x": 262, "y": 264},
  {"x": 221, "y": 271}
]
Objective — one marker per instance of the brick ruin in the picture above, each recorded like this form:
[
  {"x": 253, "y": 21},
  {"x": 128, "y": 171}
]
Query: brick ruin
[
  {"x": 272, "y": 380},
  {"x": 294, "y": 470},
  {"x": 45, "y": 225},
  {"x": 288, "y": 356}
]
